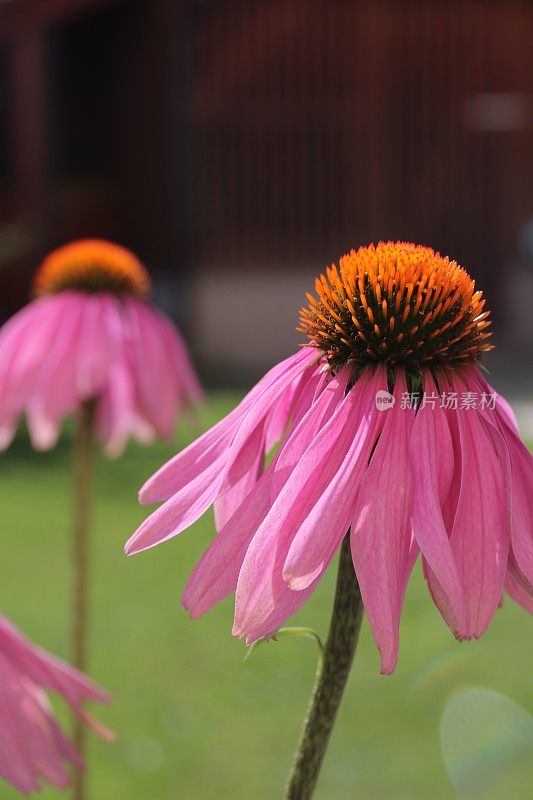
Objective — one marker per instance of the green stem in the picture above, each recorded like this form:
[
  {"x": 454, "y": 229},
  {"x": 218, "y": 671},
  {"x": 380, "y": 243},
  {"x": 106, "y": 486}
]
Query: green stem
[
  {"x": 330, "y": 681},
  {"x": 83, "y": 458}
]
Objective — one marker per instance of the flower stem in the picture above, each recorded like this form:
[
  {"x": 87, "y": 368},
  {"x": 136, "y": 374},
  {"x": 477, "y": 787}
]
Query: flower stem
[
  {"x": 330, "y": 681},
  {"x": 83, "y": 457}
]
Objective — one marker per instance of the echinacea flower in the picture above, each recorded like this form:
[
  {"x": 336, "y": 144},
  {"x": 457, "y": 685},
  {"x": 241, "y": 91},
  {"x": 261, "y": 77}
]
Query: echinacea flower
[
  {"x": 90, "y": 334},
  {"x": 33, "y": 747},
  {"x": 386, "y": 428}
]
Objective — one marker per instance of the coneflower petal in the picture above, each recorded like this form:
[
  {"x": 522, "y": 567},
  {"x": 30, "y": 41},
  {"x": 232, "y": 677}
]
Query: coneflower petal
[
  {"x": 216, "y": 574},
  {"x": 323, "y": 529},
  {"x": 261, "y": 589},
  {"x": 55, "y": 389},
  {"x": 24, "y": 342},
  {"x": 381, "y": 530},
  {"x": 251, "y": 428},
  {"x": 520, "y": 595},
  {"x": 194, "y": 459},
  {"x": 432, "y": 464},
  {"x": 99, "y": 345},
  {"x": 229, "y": 501},
  {"x": 480, "y": 535},
  {"x": 521, "y": 506}
]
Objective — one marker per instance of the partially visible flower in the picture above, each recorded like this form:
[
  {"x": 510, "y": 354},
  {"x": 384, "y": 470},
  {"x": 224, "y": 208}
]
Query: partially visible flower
[
  {"x": 91, "y": 334},
  {"x": 430, "y": 474},
  {"x": 33, "y": 748}
]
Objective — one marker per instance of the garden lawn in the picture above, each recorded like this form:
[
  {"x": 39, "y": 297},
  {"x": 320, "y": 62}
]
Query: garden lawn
[{"x": 196, "y": 723}]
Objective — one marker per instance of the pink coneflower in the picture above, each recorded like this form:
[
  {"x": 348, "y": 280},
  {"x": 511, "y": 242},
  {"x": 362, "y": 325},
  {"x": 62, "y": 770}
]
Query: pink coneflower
[
  {"x": 90, "y": 334},
  {"x": 386, "y": 429},
  {"x": 441, "y": 472},
  {"x": 33, "y": 748},
  {"x": 90, "y": 343}
]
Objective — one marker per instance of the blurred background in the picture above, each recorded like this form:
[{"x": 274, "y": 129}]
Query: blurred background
[{"x": 239, "y": 146}]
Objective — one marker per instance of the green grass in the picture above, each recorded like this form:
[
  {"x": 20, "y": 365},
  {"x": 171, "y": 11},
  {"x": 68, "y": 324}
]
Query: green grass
[{"x": 196, "y": 723}]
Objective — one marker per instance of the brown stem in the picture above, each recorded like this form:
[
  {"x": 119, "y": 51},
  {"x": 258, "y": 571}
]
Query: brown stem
[
  {"x": 83, "y": 457},
  {"x": 330, "y": 681}
]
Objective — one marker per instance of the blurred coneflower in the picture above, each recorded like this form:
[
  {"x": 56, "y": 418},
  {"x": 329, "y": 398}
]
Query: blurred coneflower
[
  {"x": 33, "y": 748},
  {"x": 90, "y": 336},
  {"x": 387, "y": 430},
  {"x": 91, "y": 344}
]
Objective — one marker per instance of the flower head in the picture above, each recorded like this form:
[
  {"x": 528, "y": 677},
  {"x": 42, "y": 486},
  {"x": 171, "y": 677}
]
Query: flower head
[
  {"x": 386, "y": 428},
  {"x": 91, "y": 335},
  {"x": 92, "y": 265},
  {"x": 397, "y": 303},
  {"x": 33, "y": 747}
]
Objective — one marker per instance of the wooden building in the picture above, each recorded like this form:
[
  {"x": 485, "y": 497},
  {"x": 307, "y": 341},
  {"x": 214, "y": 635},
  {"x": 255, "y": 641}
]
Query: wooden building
[{"x": 239, "y": 145}]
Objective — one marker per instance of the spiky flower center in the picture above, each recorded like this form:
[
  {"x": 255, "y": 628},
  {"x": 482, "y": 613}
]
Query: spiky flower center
[
  {"x": 399, "y": 303},
  {"x": 92, "y": 265}
]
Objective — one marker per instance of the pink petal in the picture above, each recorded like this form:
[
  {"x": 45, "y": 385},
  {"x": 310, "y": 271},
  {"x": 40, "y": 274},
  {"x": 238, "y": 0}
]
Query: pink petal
[
  {"x": 217, "y": 572},
  {"x": 250, "y": 430},
  {"x": 54, "y": 393},
  {"x": 215, "y": 576},
  {"x": 156, "y": 380},
  {"x": 25, "y": 340},
  {"x": 99, "y": 341},
  {"x": 324, "y": 528},
  {"x": 300, "y": 393},
  {"x": 262, "y": 596},
  {"x": 381, "y": 530},
  {"x": 521, "y": 465},
  {"x": 518, "y": 593},
  {"x": 227, "y": 503},
  {"x": 115, "y": 409},
  {"x": 32, "y": 746},
  {"x": 480, "y": 533},
  {"x": 187, "y": 465},
  {"x": 180, "y": 511},
  {"x": 306, "y": 426},
  {"x": 432, "y": 465},
  {"x": 188, "y": 383},
  {"x": 280, "y": 415}
]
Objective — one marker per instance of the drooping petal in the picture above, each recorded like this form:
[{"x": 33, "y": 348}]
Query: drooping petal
[
  {"x": 54, "y": 392},
  {"x": 188, "y": 383},
  {"x": 480, "y": 534},
  {"x": 216, "y": 574},
  {"x": 324, "y": 528},
  {"x": 32, "y": 746},
  {"x": 180, "y": 511},
  {"x": 227, "y": 503},
  {"x": 115, "y": 409},
  {"x": 187, "y": 465},
  {"x": 520, "y": 595},
  {"x": 251, "y": 428},
  {"x": 306, "y": 426},
  {"x": 432, "y": 465},
  {"x": 25, "y": 341},
  {"x": 299, "y": 397},
  {"x": 522, "y": 507},
  {"x": 521, "y": 467},
  {"x": 154, "y": 376},
  {"x": 262, "y": 595},
  {"x": 99, "y": 342},
  {"x": 299, "y": 392},
  {"x": 381, "y": 538}
]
